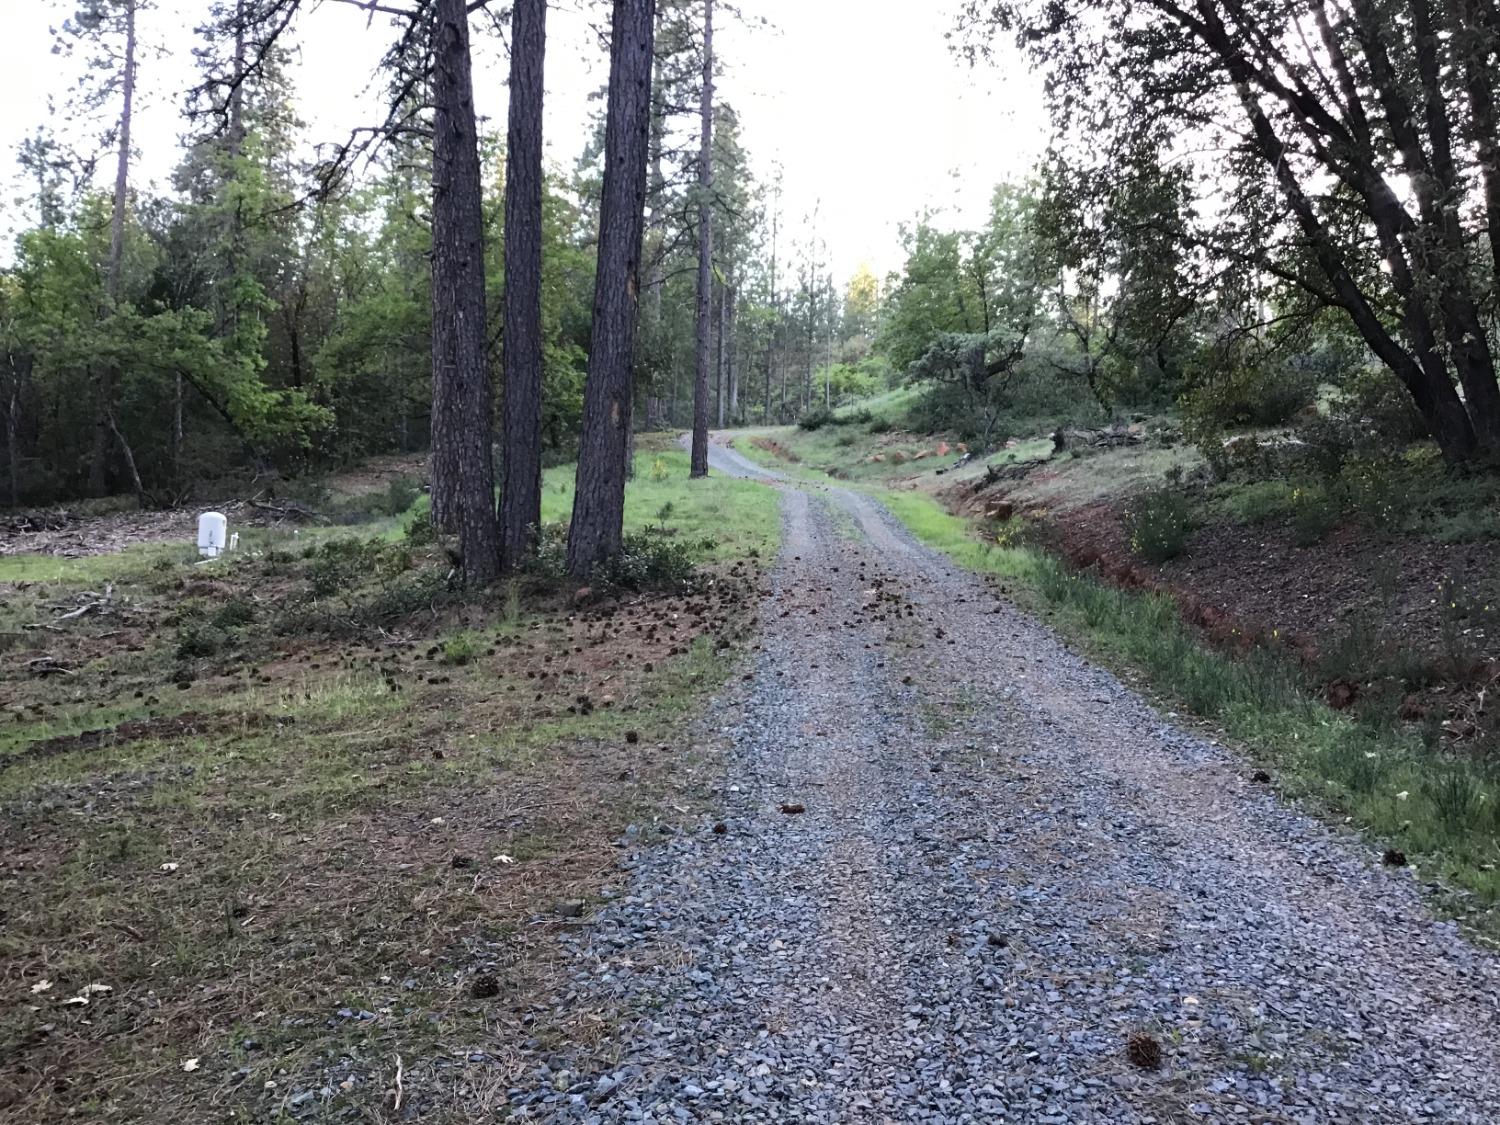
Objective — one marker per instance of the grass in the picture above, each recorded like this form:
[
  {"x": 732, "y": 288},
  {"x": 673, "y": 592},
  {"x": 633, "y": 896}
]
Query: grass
[
  {"x": 1069, "y": 481},
  {"x": 314, "y": 822},
  {"x": 741, "y": 517},
  {"x": 1380, "y": 779}
]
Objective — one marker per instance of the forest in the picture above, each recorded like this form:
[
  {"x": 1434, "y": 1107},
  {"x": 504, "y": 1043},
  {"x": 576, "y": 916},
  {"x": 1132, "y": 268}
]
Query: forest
[
  {"x": 668, "y": 665},
  {"x": 275, "y": 314}
]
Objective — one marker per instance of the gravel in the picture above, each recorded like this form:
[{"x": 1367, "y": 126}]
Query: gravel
[{"x": 1008, "y": 863}]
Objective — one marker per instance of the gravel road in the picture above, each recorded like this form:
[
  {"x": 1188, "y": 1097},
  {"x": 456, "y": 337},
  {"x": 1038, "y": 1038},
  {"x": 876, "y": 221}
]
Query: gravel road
[{"x": 1007, "y": 863}]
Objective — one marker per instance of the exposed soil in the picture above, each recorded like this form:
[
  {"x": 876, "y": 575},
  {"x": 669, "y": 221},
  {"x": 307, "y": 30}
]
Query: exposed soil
[
  {"x": 1433, "y": 604},
  {"x": 66, "y": 533},
  {"x": 775, "y": 448}
]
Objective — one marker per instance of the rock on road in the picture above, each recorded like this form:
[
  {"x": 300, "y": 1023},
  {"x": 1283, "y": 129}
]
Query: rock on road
[{"x": 1007, "y": 864}]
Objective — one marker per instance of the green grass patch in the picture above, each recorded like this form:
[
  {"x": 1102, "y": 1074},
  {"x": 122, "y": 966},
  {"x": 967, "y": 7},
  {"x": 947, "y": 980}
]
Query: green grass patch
[{"x": 741, "y": 517}]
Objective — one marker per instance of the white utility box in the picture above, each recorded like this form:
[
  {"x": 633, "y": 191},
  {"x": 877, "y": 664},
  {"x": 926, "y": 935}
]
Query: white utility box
[{"x": 213, "y": 534}]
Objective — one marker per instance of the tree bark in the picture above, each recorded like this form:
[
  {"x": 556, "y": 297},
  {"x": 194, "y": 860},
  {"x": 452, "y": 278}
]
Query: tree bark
[
  {"x": 114, "y": 275},
  {"x": 730, "y": 375},
  {"x": 462, "y": 432},
  {"x": 721, "y": 371},
  {"x": 705, "y": 249},
  {"x": 775, "y": 304},
  {"x": 20, "y": 370},
  {"x": 521, "y": 506},
  {"x": 599, "y": 499}
]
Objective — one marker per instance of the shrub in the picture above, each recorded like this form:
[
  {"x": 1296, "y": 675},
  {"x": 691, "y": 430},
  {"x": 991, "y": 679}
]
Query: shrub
[
  {"x": 652, "y": 560},
  {"x": 1247, "y": 395},
  {"x": 400, "y": 494},
  {"x": 234, "y": 614},
  {"x": 1260, "y": 501},
  {"x": 1314, "y": 515},
  {"x": 1372, "y": 400},
  {"x": 344, "y": 564},
  {"x": 1455, "y": 795},
  {"x": 1159, "y": 524},
  {"x": 881, "y": 426},
  {"x": 1468, "y": 526},
  {"x": 461, "y": 648},
  {"x": 196, "y": 639},
  {"x": 1379, "y": 492},
  {"x": 816, "y": 419}
]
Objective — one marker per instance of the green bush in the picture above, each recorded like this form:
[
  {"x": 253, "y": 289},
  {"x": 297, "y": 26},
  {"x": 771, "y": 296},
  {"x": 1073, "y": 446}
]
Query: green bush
[
  {"x": 1247, "y": 395},
  {"x": 653, "y": 560},
  {"x": 1159, "y": 524},
  {"x": 1260, "y": 501},
  {"x": 853, "y": 416},
  {"x": 1467, "y": 526},
  {"x": 1379, "y": 491},
  {"x": 234, "y": 614},
  {"x": 1456, "y": 796},
  {"x": 1314, "y": 515},
  {"x": 1374, "y": 401},
  {"x": 345, "y": 564},
  {"x": 461, "y": 649},
  {"x": 816, "y": 418},
  {"x": 197, "y": 639}
]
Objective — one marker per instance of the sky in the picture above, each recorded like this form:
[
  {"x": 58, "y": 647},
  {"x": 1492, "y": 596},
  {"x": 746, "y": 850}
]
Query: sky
[{"x": 860, "y": 103}]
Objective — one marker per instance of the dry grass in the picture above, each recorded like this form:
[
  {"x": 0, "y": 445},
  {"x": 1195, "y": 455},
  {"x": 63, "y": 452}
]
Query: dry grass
[{"x": 288, "y": 860}]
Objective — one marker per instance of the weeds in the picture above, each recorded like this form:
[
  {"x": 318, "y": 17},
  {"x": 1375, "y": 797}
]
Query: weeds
[
  {"x": 1159, "y": 525},
  {"x": 1314, "y": 515},
  {"x": 461, "y": 649}
]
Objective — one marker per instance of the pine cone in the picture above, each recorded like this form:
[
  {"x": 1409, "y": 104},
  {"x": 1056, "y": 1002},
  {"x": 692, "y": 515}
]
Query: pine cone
[{"x": 1143, "y": 1051}]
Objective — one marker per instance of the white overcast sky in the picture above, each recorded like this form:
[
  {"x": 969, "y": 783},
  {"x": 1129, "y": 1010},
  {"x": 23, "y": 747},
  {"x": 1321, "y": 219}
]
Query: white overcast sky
[{"x": 860, "y": 102}]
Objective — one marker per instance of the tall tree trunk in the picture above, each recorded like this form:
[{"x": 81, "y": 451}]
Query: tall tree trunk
[
  {"x": 104, "y": 428},
  {"x": 730, "y": 377},
  {"x": 521, "y": 505},
  {"x": 656, "y": 276},
  {"x": 177, "y": 429},
  {"x": 20, "y": 370},
  {"x": 599, "y": 499},
  {"x": 775, "y": 303},
  {"x": 461, "y": 438},
  {"x": 1475, "y": 42},
  {"x": 705, "y": 249},
  {"x": 720, "y": 368}
]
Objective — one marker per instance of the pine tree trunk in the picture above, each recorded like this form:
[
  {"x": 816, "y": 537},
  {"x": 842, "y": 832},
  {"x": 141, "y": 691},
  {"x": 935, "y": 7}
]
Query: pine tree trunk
[
  {"x": 775, "y": 320},
  {"x": 705, "y": 249},
  {"x": 732, "y": 314},
  {"x": 20, "y": 370},
  {"x": 177, "y": 429},
  {"x": 462, "y": 439},
  {"x": 104, "y": 427},
  {"x": 599, "y": 499},
  {"x": 521, "y": 505},
  {"x": 721, "y": 371}
]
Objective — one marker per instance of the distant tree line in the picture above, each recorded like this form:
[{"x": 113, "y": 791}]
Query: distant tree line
[{"x": 422, "y": 284}]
